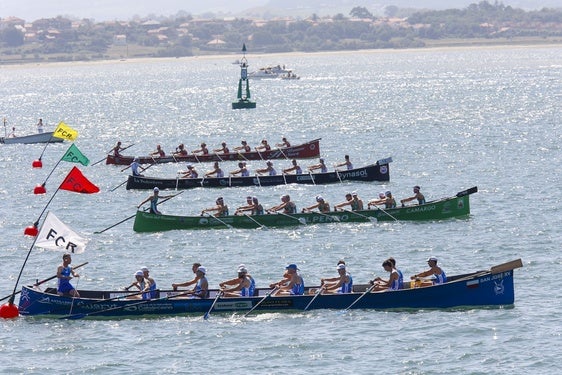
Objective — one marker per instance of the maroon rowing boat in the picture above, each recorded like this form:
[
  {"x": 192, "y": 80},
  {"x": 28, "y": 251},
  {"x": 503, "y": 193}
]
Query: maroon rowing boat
[{"x": 306, "y": 150}]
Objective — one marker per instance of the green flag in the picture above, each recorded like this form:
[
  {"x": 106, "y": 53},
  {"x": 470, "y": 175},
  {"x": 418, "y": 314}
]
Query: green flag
[{"x": 74, "y": 155}]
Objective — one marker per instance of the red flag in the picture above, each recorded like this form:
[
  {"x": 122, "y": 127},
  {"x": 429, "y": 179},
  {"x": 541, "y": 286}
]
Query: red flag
[{"x": 75, "y": 181}]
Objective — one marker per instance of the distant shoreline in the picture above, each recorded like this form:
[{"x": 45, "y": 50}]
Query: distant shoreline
[{"x": 431, "y": 45}]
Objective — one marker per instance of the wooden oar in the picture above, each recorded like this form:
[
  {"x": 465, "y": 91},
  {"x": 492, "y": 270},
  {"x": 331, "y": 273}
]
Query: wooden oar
[
  {"x": 260, "y": 301},
  {"x": 219, "y": 220},
  {"x": 389, "y": 215},
  {"x": 124, "y": 306},
  {"x": 299, "y": 219},
  {"x": 255, "y": 221},
  {"x": 43, "y": 281},
  {"x": 208, "y": 313},
  {"x": 318, "y": 292},
  {"x": 132, "y": 216},
  {"x": 99, "y": 161},
  {"x": 373, "y": 219},
  {"x": 361, "y": 296}
]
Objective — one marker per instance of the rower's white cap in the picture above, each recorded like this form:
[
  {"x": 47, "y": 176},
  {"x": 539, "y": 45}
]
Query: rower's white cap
[
  {"x": 432, "y": 259},
  {"x": 139, "y": 273},
  {"x": 202, "y": 269},
  {"x": 381, "y": 194},
  {"x": 242, "y": 270},
  {"x": 144, "y": 269},
  {"x": 156, "y": 189},
  {"x": 319, "y": 198},
  {"x": 340, "y": 267}
]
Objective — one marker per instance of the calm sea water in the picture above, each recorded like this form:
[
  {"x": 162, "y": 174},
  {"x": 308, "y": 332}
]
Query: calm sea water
[{"x": 450, "y": 119}]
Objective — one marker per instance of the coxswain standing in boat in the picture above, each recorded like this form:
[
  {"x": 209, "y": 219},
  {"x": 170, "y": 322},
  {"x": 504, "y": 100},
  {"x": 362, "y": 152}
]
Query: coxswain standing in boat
[
  {"x": 347, "y": 163},
  {"x": 341, "y": 284},
  {"x": 252, "y": 205},
  {"x": 240, "y": 286},
  {"x": 352, "y": 200},
  {"x": 154, "y": 201},
  {"x": 65, "y": 273},
  {"x": 295, "y": 168},
  {"x": 190, "y": 173},
  {"x": 294, "y": 286},
  {"x": 13, "y": 133},
  {"x": 224, "y": 149},
  {"x": 393, "y": 282},
  {"x": 203, "y": 150},
  {"x": 242, "y": 170},
  {"x": 217, "y": 171},
  {"x": 417, "y": 195},
  {"x": 194, "y": 268},
  {"x": 180, "y": 150},
  {"x": 135, "y": 165},
  {"x": 439, "y": 275},
  {"x": 321, "y": 205},
  {"x": 264, "y": 146},
  {"x": 221, "y": 208},
  {"x": 159, "y": 152},
  {"x": 284, "y": 143},
  {"x": 40, "y": 126},
  {"x": 269, "y": 169},
  {"x": 244, "y": 148},
  {"x": 321, "y": 166},
  {"x": 286, "y": 205}
]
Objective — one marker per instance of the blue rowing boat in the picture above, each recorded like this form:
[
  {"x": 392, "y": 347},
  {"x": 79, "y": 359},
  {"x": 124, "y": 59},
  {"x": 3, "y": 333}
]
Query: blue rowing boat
[{"x": 489, "y": 288}]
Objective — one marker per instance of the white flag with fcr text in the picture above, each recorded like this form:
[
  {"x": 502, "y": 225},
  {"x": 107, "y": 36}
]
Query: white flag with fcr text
[{"x": 55, "y": 235}]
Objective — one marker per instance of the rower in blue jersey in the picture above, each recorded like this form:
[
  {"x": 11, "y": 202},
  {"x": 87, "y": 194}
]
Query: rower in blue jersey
[
  {"x": 269, "y": 170},
  {"x": 242, "y": 170},
  {"x": 400, "y": 275},
  {"x": 320, "y": 166},
  {"x": 393, "y": 282},
  {"x": 343, "y": 283},
  {"x": 239, "y": 286},
  {"x": 294, "y": 168},
  {"x": 439, "y": 276},
  {"x": 151, "y": 283},
  {"x": 217, "y": 171},
  {"x": 293, "y": 285},
  {"x": 347, "y": 163},
  {"x": 417, "y": 195},
  {"x": 142, "y": 284},
  {"x": 201, "y": 289}
]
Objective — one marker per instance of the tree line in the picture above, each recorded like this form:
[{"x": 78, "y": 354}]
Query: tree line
[{"x": 182, "y": 35}]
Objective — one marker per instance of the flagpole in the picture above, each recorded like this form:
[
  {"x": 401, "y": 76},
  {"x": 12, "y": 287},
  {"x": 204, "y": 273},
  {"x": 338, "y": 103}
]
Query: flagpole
[
  {"x": 11, "y": 300},
  {"x": 55, "y": 167}
]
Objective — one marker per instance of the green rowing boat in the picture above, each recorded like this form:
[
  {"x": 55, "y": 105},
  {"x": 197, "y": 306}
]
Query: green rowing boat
[{"x": 457, "y": 206}]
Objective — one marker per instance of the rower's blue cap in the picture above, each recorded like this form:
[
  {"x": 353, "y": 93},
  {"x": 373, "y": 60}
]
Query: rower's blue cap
[{"x": 291, "y": 266}]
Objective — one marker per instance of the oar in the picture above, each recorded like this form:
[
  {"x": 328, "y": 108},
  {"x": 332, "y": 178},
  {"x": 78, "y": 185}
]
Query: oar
[
  {"x": 299, "y": 219},
  {"x": 130, "y": 294},
  {"x": 219, "y": 220},
  {"x": 132, "y": 216},
  {"x": 374, "y": 220},
  {"x": 99, "y": 161},
  {"x": 472, "y": 190},
  {"x": 124, "y": 306},
  {"x": 255, "y": 221},
  {"x": 318, "y": 292},
  {"x": 260, "y": 301},
  {"x": 206, "y": 316},
  {"x": 43, "y": 281},
  {"x": 361, "y": 296},
  {"x": 312, "y": 177},
  {"x": 392, "y": 217}
]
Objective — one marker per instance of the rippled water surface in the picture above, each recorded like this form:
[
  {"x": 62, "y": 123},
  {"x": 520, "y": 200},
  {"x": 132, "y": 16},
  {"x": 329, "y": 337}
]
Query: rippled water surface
[{"x": 450, "y": 119}]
